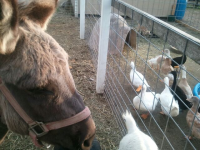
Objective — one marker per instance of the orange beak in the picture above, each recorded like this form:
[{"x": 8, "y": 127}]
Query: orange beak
[
  {"x": 176, "y": 66},
  {"x": 139, "y": 89},
  {"x": 161, "y": 80}
]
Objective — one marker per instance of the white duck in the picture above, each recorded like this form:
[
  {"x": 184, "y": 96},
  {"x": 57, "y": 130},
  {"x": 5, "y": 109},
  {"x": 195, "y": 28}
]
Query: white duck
[
  {"x": 167, "y": 101},
  {"x": 183, "y": 84},
  {"x": 137, "y": 78},
  {"x": 155, "y": 62},
  {"x": 146, "y": 101},
  {"x": 135, "y": 139}
]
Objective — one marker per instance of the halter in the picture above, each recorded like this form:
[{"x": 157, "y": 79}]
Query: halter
[{"x": 38, "y": 129}]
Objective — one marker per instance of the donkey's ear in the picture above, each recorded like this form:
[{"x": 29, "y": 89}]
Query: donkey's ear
[
  {"x": 8, "y": 26},
  {"x": 39, "y": 11}
]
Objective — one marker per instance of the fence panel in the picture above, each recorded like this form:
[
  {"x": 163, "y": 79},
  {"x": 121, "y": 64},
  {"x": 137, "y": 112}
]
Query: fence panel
[{"x": 136, "y": 36}]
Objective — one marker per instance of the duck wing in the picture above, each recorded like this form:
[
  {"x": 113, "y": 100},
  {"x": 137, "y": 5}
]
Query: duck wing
[
  {"x": 181, "y": 98},
  {"x": 197, "y": 121}
]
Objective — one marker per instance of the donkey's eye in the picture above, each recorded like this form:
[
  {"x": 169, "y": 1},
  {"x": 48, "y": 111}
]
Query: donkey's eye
[{"x": 41, "y": 91}]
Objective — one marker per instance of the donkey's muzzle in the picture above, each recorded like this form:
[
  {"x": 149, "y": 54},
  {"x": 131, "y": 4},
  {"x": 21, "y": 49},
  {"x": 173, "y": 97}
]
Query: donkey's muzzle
[{"x": 90, "y": 134}]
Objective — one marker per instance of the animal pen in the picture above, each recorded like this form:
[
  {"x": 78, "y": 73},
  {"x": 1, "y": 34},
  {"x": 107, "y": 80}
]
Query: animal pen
[
  {"x": 188, "y": 14},
  {"x": 118, "y": 34}
]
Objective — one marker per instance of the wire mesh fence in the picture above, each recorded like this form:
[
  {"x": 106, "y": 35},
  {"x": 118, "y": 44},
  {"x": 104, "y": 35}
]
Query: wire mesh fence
[
  {"x": 191, "y": 15},
  {"x": 93, "y": 13},
  {"x": 70, "y": 6},
  {"x": 180, "y": 13},
  {"x": 135, "y": 38}
]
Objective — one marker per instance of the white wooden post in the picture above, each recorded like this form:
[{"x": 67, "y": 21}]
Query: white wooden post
[
  {"x": 103, "y": 44},
  {"x": 82, "y": 19},
  {"x": 76, "y": 8}
]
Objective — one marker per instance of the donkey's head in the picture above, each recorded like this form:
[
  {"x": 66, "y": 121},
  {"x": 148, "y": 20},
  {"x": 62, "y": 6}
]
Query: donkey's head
[{"x": 35, "y": 69}]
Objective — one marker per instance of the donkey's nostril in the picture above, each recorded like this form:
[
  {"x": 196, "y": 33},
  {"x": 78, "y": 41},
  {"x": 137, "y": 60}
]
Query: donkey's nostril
[{"x": 87, "y": 143}]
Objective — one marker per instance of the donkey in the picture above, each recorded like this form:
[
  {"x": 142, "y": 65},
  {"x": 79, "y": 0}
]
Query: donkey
[{"x": 35, "y": 69}]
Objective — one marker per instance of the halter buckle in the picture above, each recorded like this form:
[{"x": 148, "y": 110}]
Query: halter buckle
[{"x": 38, "y": 128}]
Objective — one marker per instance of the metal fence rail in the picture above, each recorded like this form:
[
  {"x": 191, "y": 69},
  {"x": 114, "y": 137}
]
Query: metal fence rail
[
  {"x": 131, "y": 40},
  {"x": 91, "y": 19},
  {"x": 182, "y": 11}
]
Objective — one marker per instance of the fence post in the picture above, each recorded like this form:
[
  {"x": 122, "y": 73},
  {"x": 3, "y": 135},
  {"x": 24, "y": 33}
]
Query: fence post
[
  {"x": 76, "y": 8},
  {"x": 82, "y": 19},
  {"x": 103, "y": 44}
]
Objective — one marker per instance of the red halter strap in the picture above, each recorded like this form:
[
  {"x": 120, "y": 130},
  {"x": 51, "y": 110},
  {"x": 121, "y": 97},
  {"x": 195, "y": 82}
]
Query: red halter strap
[{"x": 45, "y": 128}]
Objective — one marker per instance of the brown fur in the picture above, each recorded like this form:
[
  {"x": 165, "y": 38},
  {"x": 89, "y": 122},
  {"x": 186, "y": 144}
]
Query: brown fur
[
  {"x": 38, "y": 11},
  {"x": 37, "y": 74},
  {"x": 143, "y": 30},
  {"x": 194, "y": 121},
  {"x": 159, "y": 61},
  {"x": 8, "y": 26},
  {"x": 166, "y": 66}
]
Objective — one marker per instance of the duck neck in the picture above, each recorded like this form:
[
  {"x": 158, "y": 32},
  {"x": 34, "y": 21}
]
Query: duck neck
[
  {"x": 134, "y": 69},
  {"x": 174, "y": 83},
  {"x": 167, "y": 86},
  {"x": 143, "y": 92},
  {"x": 168, "y": 54},
  {"x": 183, "y": 74},
  {"x": 195, "y": 106}
]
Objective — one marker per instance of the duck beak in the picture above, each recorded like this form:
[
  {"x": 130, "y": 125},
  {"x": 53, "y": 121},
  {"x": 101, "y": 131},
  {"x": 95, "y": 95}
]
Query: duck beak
[
  {"x": 161, "y": 80},
  {"x": 176, "y": 67},
  {"x": 139, "y": 89}
]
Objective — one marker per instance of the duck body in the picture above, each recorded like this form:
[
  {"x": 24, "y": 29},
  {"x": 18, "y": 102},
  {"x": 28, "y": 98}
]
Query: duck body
[
  {"x": 168, "y": 103},
  {"x": 135, "y": 139},
  {"x": 145, "y": 100},
  {"x": 178, "y": 60},
  {"x": 183, "y": 84},
  {"x": 179, "y": 94},
  {"x": 190, "y": 117},
  {"x": 136, "y": 77},
  {"x": 155, "y": 62},
  {"x": 166, "y": 67}
]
